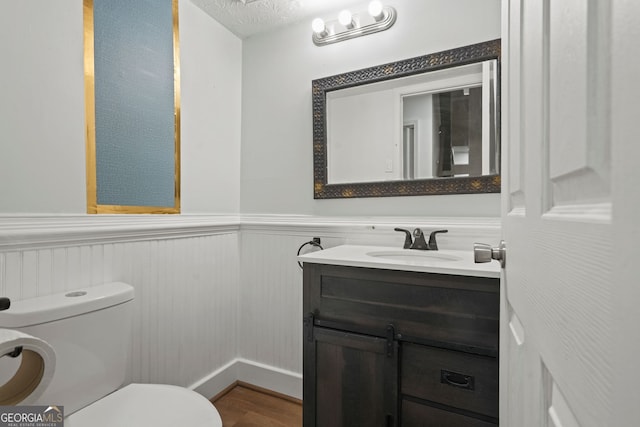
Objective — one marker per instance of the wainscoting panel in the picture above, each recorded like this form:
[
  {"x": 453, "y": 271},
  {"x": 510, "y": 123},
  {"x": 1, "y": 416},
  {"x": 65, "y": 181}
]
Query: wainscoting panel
[
  {"x": 186, "y": 289},
  {"x": 270, "y": 314}
]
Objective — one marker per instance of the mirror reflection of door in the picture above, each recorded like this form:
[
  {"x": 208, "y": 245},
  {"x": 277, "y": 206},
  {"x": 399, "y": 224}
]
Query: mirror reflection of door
[
  {"x": 409, "y": 150},
  {"x": 458, "y": 119},
  {"x": 454, "y": 147}
]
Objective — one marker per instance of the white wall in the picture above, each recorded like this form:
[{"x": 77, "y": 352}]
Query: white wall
[
  {"x": 277, "y": 160},
  {"x": 42, "y": 161},
  {"x": 42, "y": 167},
  {"x": 211, "y": 90},
  {"x": 42, "y": 110}
]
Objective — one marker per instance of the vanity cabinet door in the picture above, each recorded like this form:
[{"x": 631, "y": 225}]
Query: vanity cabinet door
[{"x": 349, "y": 380}]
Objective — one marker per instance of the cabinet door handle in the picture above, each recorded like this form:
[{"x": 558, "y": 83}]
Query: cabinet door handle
[
  {"x": 391, "y": 336},
  {"x": 457, "y": 380}
]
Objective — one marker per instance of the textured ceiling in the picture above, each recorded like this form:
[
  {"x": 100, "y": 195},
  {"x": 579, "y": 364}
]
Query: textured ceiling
[{"x": 245, "y": 18}]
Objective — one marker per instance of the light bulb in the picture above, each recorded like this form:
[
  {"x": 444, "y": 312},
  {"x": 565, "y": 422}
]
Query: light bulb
[
  {"x": 318, "y": 26},
  {"x": 375, "y": 10},
  {"x": 345, "y": 18}
]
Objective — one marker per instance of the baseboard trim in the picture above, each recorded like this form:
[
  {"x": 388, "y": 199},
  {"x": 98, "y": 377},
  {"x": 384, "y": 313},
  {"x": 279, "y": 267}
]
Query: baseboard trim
[
  {"x": 217, "y": 382},
  {"x": 269, "y": 392},
  {"x": 254, "y": 388},
  {"x": 224, "y": 392},
  {"x": 271, "y": 378},
  {"x": 261, "y": 377}
]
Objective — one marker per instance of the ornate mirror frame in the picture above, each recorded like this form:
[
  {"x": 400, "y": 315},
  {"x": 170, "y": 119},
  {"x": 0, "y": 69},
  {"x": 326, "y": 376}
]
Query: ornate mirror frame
[{"x": 436, "y": 61}]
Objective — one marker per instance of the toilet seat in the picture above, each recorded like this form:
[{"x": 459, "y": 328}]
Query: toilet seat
[{"x": 156, "y": 405}]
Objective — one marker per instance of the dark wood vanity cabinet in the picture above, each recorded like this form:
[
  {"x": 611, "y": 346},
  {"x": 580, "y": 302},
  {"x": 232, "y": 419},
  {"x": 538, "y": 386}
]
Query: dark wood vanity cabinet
[{"x": 396, "y": 348}]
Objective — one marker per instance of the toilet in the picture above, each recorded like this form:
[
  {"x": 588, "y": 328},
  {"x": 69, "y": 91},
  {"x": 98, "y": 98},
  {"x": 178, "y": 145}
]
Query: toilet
[{"x": 90, "y": 331}]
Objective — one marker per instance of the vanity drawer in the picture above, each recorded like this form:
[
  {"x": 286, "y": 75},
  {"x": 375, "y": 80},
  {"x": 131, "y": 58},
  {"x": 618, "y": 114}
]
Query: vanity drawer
[
  {"x": 417, "y": 415},
  {"x": 452, "y": 311},
  {"x": 451, "y": 378}
]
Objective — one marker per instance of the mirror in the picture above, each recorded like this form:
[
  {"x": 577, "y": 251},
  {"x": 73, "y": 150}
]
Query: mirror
[{"x": 426, "y": 125}]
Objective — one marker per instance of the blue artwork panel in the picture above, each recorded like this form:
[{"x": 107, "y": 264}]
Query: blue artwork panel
[{"x": 134, "y": 102}]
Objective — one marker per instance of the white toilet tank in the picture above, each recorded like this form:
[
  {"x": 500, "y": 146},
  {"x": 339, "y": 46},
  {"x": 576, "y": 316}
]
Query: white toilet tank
[{"x": 90, "y": 331}]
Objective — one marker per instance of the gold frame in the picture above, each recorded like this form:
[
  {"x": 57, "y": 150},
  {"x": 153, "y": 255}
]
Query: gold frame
[{"x": 89, "y": 83}]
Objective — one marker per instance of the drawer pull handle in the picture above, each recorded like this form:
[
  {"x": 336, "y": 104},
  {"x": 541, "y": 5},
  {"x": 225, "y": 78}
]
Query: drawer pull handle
[{"x": 457, "y": 380}]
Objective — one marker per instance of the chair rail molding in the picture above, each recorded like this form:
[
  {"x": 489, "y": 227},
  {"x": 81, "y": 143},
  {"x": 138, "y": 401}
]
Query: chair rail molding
[
  {"x": 47, "y": 231},
  {"x": 463, "y": 231},
  {"x": 44, "y": 231}
]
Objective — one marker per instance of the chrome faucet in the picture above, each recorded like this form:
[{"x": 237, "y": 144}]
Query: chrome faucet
[{"x": 418, "y": 241}]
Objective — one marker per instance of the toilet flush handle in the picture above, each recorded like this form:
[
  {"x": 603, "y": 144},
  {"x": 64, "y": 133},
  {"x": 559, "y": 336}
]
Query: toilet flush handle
[{"x": 5, "y": 303}]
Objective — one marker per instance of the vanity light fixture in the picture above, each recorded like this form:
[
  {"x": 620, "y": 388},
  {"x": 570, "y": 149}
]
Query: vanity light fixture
[
  {"x": 349, "y": 25},
  {"x": 376, "y": 10},
  {"x": 319, "y": 27},
  {"x": 345, "y": 18}
]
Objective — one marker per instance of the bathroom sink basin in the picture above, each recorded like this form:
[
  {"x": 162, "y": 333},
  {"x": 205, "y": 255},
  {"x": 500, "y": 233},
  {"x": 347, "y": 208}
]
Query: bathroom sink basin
[{"x": 410, "y": 255}]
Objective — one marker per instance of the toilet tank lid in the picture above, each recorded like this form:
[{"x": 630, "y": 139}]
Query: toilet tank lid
[{"x": 35, "y": 311}]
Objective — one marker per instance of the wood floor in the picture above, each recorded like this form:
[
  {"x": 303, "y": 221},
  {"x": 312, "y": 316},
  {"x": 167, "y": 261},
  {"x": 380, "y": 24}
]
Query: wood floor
[{"x": 248, "y": 407}]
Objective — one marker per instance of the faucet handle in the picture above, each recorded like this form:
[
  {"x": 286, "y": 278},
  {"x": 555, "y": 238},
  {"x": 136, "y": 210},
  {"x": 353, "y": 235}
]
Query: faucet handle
[
  {"x": 407, "y": 237},
  {"x": 433, "y": 245}
]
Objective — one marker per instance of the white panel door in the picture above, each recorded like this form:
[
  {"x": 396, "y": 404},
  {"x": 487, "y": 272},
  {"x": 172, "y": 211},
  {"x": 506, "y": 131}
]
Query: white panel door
[{"x": 570, "y": 329}]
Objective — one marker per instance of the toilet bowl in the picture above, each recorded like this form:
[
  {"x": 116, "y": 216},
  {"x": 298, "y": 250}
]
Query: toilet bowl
[
  {"x": 90, "y": 331},
  {"x": 147, "y": 405}
]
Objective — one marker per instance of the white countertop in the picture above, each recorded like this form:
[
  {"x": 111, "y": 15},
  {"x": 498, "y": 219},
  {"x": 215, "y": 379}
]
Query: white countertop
[{"x": 442, "y": 261}]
